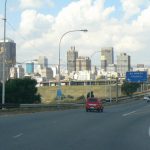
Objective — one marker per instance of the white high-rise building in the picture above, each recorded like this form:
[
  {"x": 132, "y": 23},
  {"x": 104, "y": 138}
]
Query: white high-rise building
[
  {"x": 47, "y": 73},
  {"x": 20, "y": 71},
  {"x": 72, "y": 55},
  {"x": 107, "y": 57},
  {"x": 13, "y": 73},
  {"x": 55, "y": 70},
  {"x": 123, "y": 64},
  {"x": 83, "y": 63},
  {"x": 43, "y": 61}
]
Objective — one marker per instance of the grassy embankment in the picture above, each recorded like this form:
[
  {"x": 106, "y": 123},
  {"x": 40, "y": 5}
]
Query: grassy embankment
[{"x": 49, "y": 93}]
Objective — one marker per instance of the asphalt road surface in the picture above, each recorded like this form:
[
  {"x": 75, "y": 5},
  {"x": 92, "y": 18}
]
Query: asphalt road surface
[{"x": 121, "y": 127}]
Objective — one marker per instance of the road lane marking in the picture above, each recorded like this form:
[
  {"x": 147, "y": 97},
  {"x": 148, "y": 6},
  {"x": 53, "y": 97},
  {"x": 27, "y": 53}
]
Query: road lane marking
[
  {"x": 149, "y": 131},
  {"x": 18, "y": 135},
  {"x": 127, "y": 114}
]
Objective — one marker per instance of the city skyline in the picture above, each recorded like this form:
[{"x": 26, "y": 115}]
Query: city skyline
[{"x": 36, "y": 27}]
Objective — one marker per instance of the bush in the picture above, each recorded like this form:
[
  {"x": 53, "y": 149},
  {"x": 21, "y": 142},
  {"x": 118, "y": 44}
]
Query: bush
[
  {"x": 82, "y": 97},
  {"x": 21, "y": 91},
  {"x": 129, "y": 88},
  {"x": 62, "y": 97},
  {"x": 70, "y": 96}
]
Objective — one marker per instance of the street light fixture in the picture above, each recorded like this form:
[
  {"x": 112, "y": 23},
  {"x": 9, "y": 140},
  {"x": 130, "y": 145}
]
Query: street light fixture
[
  {"x": 59, "y": 92},
  {"x": 4, "y": 53}
]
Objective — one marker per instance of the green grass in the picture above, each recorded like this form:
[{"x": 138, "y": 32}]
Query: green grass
[{"x": 49, "y": 93}]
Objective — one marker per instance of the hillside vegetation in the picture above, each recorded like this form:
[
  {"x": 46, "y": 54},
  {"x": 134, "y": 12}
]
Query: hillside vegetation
[{"x": 74, "y": 92}]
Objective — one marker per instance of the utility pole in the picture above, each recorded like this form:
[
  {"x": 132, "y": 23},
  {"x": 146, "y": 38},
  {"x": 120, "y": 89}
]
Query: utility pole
[
  {"x": 4, "y": 58},
  {"x": 117, "y": 89}
]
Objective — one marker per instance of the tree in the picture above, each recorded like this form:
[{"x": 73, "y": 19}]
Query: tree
[
  {"x": 22, "y": 91},
  {"x": 129, "y": 88}
]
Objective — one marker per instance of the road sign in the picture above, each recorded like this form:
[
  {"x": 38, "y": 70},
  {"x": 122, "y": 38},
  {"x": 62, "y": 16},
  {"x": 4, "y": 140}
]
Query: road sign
[{"x": 136, "y": 76}]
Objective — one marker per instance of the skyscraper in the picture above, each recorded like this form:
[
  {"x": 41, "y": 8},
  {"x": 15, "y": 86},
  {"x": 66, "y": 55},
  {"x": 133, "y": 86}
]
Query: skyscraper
[
  {"x": 107, "y": 57},
  {"x": 72, "y": 55},
  {"x": 123, "y": 64},
  {"x": 83, "y": 63},
  {"x": 43, "y": 61},
  {"x": 10, "y": 56},
  {"x": 20, "y": 71},
  {"x": 47, "y": 73},
  {"x": 30, "y": 67}
]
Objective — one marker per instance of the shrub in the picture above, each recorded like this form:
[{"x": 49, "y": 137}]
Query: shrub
[
  {"x": 70, "y": 96},
  {"x": 21, "y": 91},
  {"x": 82, "y": 97}
]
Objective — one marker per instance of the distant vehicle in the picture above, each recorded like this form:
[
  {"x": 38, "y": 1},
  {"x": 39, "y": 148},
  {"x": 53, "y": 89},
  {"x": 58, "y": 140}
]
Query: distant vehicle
[
  {"x": 108, "y": 100},
  {"x": 147, "y": 98},
  {"x": 93, "y": 103}
]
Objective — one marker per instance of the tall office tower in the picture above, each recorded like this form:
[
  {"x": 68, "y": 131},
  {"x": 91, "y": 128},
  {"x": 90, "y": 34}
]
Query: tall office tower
[
  {"x": 83, "y": 63},
  {"x": 43, "y": 61},
  {"x": 10, "y": 56},
  {"x": 107, "y": 57},
  {"x": 47, "y": 73},
  {"x": 13, "y": 73},
  {"x": 20, "y": 71},
  {"x": 29, "y": 67},
  {"x": 72, "y": 55},
  {"x": 123, "y": 64}
]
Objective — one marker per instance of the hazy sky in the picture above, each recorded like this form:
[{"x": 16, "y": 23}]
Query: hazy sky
[{"x": 37, "y": 26}]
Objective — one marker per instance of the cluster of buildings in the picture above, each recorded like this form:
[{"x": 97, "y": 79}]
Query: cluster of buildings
[
  {"x": 82, "y": 65},
  {"x": 37, "y": 69},
  {"x": 78, "y": 67}
]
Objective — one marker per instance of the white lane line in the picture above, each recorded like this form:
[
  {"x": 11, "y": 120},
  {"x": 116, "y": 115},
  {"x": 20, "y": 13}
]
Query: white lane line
[
  {"x": 18, "y": 135},
  {"x": 127, "y": 114},
  {"x": 149, "y": 131}
]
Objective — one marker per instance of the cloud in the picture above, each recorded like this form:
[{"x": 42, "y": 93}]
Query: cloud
[
  {"x": 141, "y": 29},
  {"x": 43, "y": 32},
  {"x": 34, "y": 24},
  {"x": 30, "y": 4},
  {"x": 133, "y": 7},
  {"x": 26, "y": 4},
  {"x": 82, "y": 14},
  {"x": 142, "y": 21}
]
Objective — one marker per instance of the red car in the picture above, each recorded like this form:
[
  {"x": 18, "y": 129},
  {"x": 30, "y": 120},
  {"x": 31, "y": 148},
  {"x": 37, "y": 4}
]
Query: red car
[{"x": 94, "y": 104}]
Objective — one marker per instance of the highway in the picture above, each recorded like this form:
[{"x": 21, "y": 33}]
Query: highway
[{"x": 119, "y": 127}]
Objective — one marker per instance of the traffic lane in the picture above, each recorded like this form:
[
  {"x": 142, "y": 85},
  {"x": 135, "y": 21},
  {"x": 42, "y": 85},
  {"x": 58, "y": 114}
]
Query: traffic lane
[
  {"x": 127, "y": 106},
  {"x": 57, "y": 121},
  {"x": 72, "y": 129},
  {"x": 126, "y": 133},
  {"x": 41, "y": 130},
  {"x": 134, "y": 132},
  {"x": 69, "y": 131}
]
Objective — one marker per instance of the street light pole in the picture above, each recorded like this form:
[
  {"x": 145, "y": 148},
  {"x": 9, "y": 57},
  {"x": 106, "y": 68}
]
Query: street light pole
[
  {"x": 4, "y": 53},
  {"x": 59, "y": 93},
  {"x": 110, "y": 90},
  {"x": 105, "y": 86}
]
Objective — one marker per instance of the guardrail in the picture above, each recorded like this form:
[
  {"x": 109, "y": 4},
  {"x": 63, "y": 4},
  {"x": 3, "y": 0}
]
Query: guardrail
[
  {"x": 31, "y": 108},
  {"x": 60, "y": 105},
  {"x": 9, "y": 105},
  {"x": 127, "y": 98}
]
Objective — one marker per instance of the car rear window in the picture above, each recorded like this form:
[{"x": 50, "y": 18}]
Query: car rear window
[{"x": 92, "y": 100}]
